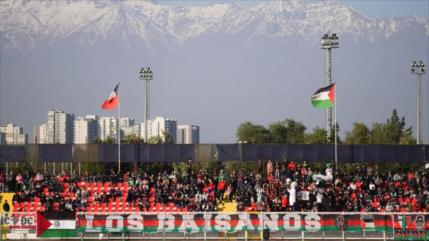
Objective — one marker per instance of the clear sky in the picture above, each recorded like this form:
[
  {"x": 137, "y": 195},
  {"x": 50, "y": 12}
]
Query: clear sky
[{"x": 372, "y": 8}]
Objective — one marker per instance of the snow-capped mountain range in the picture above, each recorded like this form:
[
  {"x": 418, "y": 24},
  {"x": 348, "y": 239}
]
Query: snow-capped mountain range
[{"x": 24, "y": 24}]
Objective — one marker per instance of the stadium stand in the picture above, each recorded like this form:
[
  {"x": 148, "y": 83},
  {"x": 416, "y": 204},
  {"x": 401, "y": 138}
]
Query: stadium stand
[{"x": 280, "y": 186}]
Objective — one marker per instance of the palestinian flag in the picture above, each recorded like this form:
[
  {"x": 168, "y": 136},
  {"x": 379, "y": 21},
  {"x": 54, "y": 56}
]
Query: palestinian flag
[
  {"x": 324, "y": 97},
  {"x": 113, "y": 100},
  {"x": 55, "y": 225},
  {"x": 366, "y": 222}
]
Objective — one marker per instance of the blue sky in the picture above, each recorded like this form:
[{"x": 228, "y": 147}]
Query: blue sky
[{"x": 372, "y": 8}]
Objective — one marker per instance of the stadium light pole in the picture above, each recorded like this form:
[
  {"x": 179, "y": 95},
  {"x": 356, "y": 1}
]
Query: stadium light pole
[
  {"x": 329, "y": 42},
  {"x": 418, "y": 68},
  {"x": 146, "y": 74}
]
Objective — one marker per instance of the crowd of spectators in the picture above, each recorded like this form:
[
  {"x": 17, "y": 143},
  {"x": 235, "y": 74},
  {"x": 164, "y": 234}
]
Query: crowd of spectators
[{"x": 276, "y": 186}]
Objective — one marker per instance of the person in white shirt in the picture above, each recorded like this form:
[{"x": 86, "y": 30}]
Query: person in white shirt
[{"x": 292, "y": 193}]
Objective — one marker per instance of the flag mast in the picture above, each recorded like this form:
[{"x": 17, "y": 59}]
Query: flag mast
[
  {"x": 109, "y": 104},
  {"x": 335, "y": 126},
  {"x": 118, "y": 132}
]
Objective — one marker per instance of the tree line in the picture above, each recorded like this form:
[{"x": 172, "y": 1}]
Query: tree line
[
  {"x": 134, "y": 139},
  {"x": 289, "y": 131}
]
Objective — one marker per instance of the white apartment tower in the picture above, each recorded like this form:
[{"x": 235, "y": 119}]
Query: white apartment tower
[
  {"x": 139, "y": 129},
  {"x": 12, "y": 134},
  {"x": 85, "y": 129},
  {"x": 107, "y": 127},
  {"x": 160, "y": 126},
  {"x": 59, "y": 127},
  {"x": 41, "y": 134},
  {"x": 188, "y": 134}
]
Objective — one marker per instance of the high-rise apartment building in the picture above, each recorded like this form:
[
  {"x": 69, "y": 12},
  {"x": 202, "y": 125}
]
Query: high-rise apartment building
[
  {"x": 107, "y": 127},
  {"x": 85, "y": 129},
  {"x": 188, "y": 134},
  {"x": 139, "y": 129},
  {"x": 59, "y": 127},
  {"x": 41, "y": 134},
  {"x": 160, "y": 126},
  {"x": 12, "y": 135}
]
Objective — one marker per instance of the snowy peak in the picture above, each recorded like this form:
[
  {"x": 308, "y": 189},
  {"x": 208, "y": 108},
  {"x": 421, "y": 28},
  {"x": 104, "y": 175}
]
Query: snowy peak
[{"x": 26, "y": 23}]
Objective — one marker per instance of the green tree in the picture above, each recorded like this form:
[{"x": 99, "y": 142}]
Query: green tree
[
  {"x": 407, "y": 137},
  {"x": 109, "y": 140},
  {"x": 360, "y": 134},
  {"x": 248, "y": 132},
  {"x": 318, "y": 136},
  {"x": 168, "y": 139},
  {"x": 394, "y": 128},
  {"x": 391, "y": 132},
  {"x": 98, "y": 141},
  {"x": 155, "y": 140},
  {"x": 132, "y": 139},
  {"x": 287, "y": 131},
  {"x": 278, "y": 132},
  {"x": 295, "y": 131},
  {"x": 377, "y": 134}
]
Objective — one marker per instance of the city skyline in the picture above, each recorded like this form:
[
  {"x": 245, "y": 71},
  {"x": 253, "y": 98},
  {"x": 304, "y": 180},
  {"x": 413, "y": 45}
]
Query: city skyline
[{"x": 64, "y": 128}]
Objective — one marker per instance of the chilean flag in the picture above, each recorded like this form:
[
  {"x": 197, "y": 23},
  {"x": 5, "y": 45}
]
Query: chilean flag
[{"x": 113, "y": 100}]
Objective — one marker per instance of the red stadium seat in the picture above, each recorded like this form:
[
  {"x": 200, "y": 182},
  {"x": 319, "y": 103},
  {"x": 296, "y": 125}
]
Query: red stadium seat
[
  {"x": 171, "y": 207},
  {"x": 57, "y": 206},
  {"x": 253, "y": 206},
  {"x": 16, "y": 206}
]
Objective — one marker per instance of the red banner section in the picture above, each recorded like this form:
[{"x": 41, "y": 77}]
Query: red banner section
[{"x": 233, "y": 222}]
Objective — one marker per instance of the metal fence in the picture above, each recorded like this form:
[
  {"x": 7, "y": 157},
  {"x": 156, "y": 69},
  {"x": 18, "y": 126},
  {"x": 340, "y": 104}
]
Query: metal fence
[
  {"x": 142, "y": 153},
  {"x": 233, "y": 226}
]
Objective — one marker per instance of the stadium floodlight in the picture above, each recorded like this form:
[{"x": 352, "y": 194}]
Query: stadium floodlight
[
  {"x": 146, "y": 74},
  {"x": 328, "y": 42},
  {"x": 418, "y": 68}
]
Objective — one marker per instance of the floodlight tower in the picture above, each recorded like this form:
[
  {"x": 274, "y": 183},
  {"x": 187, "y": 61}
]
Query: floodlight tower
[
  {"x": 329, "y": 42},
  {"x": 146, "y": 75},
  {"x": 418, "y": 68}
]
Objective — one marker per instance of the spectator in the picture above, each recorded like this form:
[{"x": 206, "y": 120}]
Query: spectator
[{"x": 6, "y": 207}]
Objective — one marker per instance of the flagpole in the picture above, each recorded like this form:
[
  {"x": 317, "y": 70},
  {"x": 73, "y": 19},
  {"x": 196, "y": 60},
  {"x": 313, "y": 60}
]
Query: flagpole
[
  {"x": 118, "y": 132},
  {"x": 335, "y": 124}
]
